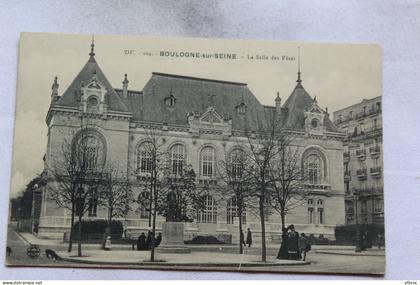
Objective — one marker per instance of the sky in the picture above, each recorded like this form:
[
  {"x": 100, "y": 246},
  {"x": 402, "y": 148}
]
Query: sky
[{"x": 339, "y": 75}]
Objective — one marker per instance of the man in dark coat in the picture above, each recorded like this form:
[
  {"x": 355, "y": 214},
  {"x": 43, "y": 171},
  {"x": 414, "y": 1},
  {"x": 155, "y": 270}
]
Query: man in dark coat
[
  {"x": 158, "y": 239},
  {"x": 293, "y": 244},
  {"x": 141, "y": 241},
  {"x": 249, "y": 237},
  {"x": 149, "y": 240},
  {"x": 283, "y": 252}
]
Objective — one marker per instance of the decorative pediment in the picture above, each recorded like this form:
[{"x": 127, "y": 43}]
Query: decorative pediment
[
  {"x": 211, "y": 117},
  {"x": 94, "y": 97},
  {"x": 209, "y": 122}
]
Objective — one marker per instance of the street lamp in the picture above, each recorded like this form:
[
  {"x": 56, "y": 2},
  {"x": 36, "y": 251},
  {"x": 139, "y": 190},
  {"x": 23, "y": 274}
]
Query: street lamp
[{"x": 358, "y": 240}]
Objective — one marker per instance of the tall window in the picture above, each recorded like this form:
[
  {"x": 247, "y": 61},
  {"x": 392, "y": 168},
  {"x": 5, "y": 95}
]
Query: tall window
[
  {"x": 144, "y": 158},
  {"x": 209, "y": 213},
  {"x": 314, "y": 169},
  {"x": 178, "y": 158},
  {"x": 237, "y": 163},
  {"x": 232, "y": 211},
  {"x": 320, "y": 206},
  {"x": 207, "y": 158},
  {"x": 93, "y": 203},
  {"x": 310, "y": 211}
]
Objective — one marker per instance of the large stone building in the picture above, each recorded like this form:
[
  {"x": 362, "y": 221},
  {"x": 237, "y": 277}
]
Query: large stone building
[
  {"x": 201, "y": 119},
  {"x": 363, "y": 160}
]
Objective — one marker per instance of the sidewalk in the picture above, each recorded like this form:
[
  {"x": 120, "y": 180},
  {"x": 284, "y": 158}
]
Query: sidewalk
[
  {"x": 369, "y": 252},
  {"x": 196, "y": 259}
]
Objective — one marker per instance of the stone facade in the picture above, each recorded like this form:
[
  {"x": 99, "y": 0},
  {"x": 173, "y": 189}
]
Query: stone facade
[
  {"x": 194, "y": 114},
  {"x": 363, "y": 161}
]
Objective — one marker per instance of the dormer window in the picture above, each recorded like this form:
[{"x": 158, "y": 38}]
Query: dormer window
[
  {"x": 92, "y": 104},
  {"x": 241, "y": 108},
  {"x": 314, "y": 123},
  {"x": 170, "y": 101}
]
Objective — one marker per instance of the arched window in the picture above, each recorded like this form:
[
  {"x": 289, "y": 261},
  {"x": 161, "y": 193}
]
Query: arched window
[
  {"x": 314, "y": 164},
  {"x": 144, "y": 158},
  {"x": 207, "y": 160},
  {"x": 92, "y": 104},
  {"x": 237, "y": 161},
  {"x": 178, "y": 159},
  {"x": 144, "y": 204},
  {"x": 90, "y": 151},
  {"x": 232, "y": 211},
  {"x": 209, "y": 213}
]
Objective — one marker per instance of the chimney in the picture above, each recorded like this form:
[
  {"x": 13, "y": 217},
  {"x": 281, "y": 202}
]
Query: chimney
[
  {"x": 54, "y": 87},
  {"x": 326, "y": 111},
  {"x": 278, "y": 103},
  {"x": 125, "y": 86}
]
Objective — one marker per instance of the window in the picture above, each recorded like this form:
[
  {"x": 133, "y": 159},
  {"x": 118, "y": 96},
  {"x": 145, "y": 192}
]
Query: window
[
  {"x": 178, "y": 158},
  {"x": 237, "y": 160},
  {"x": 207, "y": 159},
  {"x": 378, "y": 205},
  {"x": 314, "y": 169},
  {"x": 144, "y": 204},
  {"x": 310, "y": 215},
  {"x": 144, "y": 158},
  {"x": 320, "y": 216},
  {"x": 170, "y": 101},
  {"x": 89, "y": 152},
  {"x": 93, "y": 203},
  {"x": 232, "y": 211},
  {"x": 310, "y": 211},
  {"x": 241, "y": 108},
  {"x": 92, "y": 104},
  {"x": 209, "y": 213},
  {"x": 375, "y": 124},
  {"x": 314, "y": 123}
]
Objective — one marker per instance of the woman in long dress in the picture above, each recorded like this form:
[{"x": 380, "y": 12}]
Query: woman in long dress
[
  {"x": 283, "y": 252},
  {"x": 293, "y": 244}
]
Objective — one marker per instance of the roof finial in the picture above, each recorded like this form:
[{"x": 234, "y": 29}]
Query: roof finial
[
  {"x": 299, "y": 80},
  {"x": 92, "y": 47}
]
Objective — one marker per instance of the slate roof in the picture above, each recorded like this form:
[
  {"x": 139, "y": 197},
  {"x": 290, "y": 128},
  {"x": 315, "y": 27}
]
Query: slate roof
[
  {"x": 70, "y": 97},
  {"x": 195, "y": 95},
  {"x": 296, "y": 106}
]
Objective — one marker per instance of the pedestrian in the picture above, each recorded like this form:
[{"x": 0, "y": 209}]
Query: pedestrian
[
  {"x": 379, "y": 240},
  {"x": 149, "y": 240},
  {"x": 141, "y": 242},
  {"x": 304, "y": 245},
  {"x": 107, "y": 243},
  {"x": 249, "y": 237},
  {"x": 242, "y": 239},
  {"x": 293, "y": 243},
  {"x": 158, "y": 239},
  {"x": 283, "y": 251}
]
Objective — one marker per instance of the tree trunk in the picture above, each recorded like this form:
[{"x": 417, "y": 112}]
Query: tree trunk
[
  {"x": 152, "y": 252},
  {"x": 71, "y": 230},
  {"x": 241, "y": 248},
  {"x": 262, "y": 219},
  {"x": 79, "y": 241},
  {"x": 283, "y": 219}
]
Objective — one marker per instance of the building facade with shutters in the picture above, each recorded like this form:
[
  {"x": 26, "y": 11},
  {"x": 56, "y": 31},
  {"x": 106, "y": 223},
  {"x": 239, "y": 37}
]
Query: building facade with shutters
[
  {"x": 199, "y": 121},
  {"x": 363, "y": 161}
]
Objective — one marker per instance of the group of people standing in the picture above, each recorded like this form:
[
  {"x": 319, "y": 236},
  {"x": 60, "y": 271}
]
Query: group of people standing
[
  {"x": 146, "y": 243},
  {"x": 293, "y": 246},
  {"x": 248, "y": 240}
]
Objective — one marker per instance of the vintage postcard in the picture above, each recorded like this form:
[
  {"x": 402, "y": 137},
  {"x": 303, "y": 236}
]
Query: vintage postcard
[{"x": 197, "y": 154}]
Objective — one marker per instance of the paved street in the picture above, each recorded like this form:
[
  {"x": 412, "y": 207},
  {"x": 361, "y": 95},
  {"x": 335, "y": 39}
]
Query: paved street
[{"x": 319, "y": 262}]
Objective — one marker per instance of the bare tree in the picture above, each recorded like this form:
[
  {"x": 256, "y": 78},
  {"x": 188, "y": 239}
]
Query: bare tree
[
  {"x": 262, "y": 148},
  {"x": 73, "y": 173},
  {"x": 287, "y": 177},
  {"x": 174, "y": 194},
  {"x": 115, "y": 195},
  {"x": 234, "y": 172}
]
